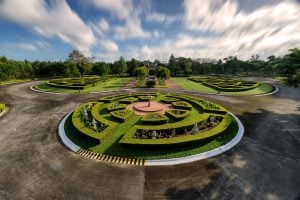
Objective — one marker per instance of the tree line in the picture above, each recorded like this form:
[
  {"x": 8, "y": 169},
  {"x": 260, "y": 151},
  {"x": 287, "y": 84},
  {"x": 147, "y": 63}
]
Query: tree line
[{"x": 77, "y": 65}]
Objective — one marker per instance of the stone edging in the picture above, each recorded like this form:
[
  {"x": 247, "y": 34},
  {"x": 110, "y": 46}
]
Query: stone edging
[{"x": 172, "y": 161}]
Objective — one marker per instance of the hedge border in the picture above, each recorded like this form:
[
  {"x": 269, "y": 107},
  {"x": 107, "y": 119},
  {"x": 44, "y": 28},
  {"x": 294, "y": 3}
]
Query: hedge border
[{"x": 129, "y": 140}]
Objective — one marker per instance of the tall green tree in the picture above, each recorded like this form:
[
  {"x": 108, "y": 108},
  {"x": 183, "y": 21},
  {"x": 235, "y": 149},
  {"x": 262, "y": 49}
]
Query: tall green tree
[
  {"x": 101, "y": 69},
  {"x": 142, "y": 73},
  {"x": 81, "y": 61},
  {"x": 132, "y": 66},
  {"x": 122, "y": 67},
  {"x": 172, "y": 65},
  {"x": 162, "y": 73}
]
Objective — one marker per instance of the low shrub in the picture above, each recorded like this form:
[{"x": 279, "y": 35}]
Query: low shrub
[
  {"x": 154, "y": 119},
  {"x": 177, "y": 114},
  {"x": 185, "y": 139},
  {"x": 81, "y": 125},
  {"x": 226, "y": 84},
  {"x": 116, "y": 106},
  {"x": 128, "y": 100},
  {"x": 182, "y": 105},
  {"x": 145, "y": 98},
  {"x": 169, "y": 100},
  {"x": 121, "y": 115}
]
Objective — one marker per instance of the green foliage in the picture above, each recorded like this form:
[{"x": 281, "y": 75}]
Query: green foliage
[
  {"x": 146, "y": 98},
  {"x": 130, "y": 140},
  {"x": 182, "y": 105},
  {"x": 177, "y": 114},
  {"x": 169, "y": 100},
  {"x": 80, "y": 125},
  {"x": 82, "y": 62},
  {"x": 128, "y": 100},
  {"x": 2, "y": 107},
  {"x": 226, "y": 84},
  {"x": 142, "y": 73},
  {"x": 122, "y": 115},
  {"x": 121, "y": 66},
  {"x": 154, "y": 119},
  {"x": 101, "y": 69},
  {"x": 116, "y": 106},
  {"x": 74, "y": 83},
  {"x": 122, "y": 127},
  {"x": 162, "y": 73}
]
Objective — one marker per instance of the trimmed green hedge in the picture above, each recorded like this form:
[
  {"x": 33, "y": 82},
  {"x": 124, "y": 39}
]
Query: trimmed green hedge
[
  {"x": 201, "y": 104},
  {"x": 113, "y": 98},
  {"x": 182, "y": 105},
  {"x": 145, "y": 98},
  {"x": 129, "y": 140},
  {"x": 79, "y": 125},
  {"x": 169, "y": 100},
  {"x": 181, "y": 114},
  {"x": 122, "y": 115},
  {"x": 128, "y": 100},
  {"x": 116, "y": 106},
  {"x": 74, "y": 83},
  {"x": 2, "y": 107},
  {"x": 154, "y": 119},
  {"x": 226, "y": 84}
]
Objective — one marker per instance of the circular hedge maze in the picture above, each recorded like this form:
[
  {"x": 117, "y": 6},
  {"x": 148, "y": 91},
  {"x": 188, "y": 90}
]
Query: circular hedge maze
[
  {"x": 74, "y": 83},
  {"x": 224, "y": 84},
  {"x": 136, "y": 127}
]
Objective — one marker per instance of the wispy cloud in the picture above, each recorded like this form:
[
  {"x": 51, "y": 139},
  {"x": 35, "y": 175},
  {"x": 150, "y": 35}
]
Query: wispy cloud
[
  {"x": 128, "y": 13},
  {"x": 22, "y": 45},
  {"x": 162, "y": 18},
  {"x": 55, "y": 19}
]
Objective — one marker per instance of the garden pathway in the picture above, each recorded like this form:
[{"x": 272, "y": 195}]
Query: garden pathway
[{"x": 172, "y": 85}]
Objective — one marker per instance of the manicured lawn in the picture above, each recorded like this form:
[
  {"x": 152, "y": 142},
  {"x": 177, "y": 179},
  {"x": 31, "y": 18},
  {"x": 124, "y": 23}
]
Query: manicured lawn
[
  {"x": 193, "y": 86},
  {"x": 111, "y": 84}
]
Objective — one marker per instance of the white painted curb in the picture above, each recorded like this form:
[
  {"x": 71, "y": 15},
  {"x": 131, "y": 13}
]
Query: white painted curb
[
  {"x": 274, "y": 92},
  {"x": 172, "y": 161},
  {"x": 64, "y": 138},
  {"x": 208, "y": 154},
  {"x": 40, "y": 91}
]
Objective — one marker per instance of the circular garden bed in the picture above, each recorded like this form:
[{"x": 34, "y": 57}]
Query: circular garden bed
[
  {"x": 230, "y": 86},
  {"x": 187, "y": 126}
]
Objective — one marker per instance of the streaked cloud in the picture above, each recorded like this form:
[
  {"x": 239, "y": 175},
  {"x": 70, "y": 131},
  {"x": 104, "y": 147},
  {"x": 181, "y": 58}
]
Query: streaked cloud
[{"x": 109, "y": 29}]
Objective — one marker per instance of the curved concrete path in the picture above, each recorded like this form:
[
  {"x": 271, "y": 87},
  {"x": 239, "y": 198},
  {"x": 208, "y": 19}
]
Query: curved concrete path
[{"x": 34, "y": 165}]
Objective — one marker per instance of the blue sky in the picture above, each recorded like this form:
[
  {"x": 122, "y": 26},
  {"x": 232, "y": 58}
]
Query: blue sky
[{"x": 144, "y": 29}]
